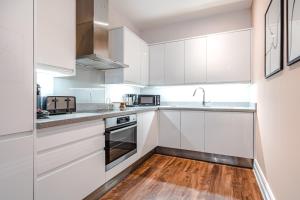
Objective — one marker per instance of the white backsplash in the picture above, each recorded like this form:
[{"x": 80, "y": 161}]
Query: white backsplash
[
  {"x": 46, "y": 81},
  {"x": 90, "y": 88},
  {"x": 116, "y": 92},
  {"x": 214, "y": 93}
]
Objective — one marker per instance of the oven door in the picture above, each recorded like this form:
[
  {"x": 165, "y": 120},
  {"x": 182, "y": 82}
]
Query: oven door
[{"x": 120, "y": 144}]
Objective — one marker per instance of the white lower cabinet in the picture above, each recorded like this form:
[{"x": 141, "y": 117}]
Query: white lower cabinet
[
  {"x": 169, "y": 133},
  {"x": 75, "y": 181},
  {"x": 229, "y": 133},
  {"x": 192, "y": 130},
  {"x": 70, "y": 161},
  {"x": 224, "y": 133},
  {"x": 16, "y": 168},
  {"x": 147, "y": 132}
]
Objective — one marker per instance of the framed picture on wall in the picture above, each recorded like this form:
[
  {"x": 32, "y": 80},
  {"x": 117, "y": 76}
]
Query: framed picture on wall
[
  {"x": 293, "y": 31},
  {"x": 274, "y": 38}
]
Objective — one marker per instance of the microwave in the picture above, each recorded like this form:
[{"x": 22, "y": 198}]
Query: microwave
[{"x": 149, "y": 100}]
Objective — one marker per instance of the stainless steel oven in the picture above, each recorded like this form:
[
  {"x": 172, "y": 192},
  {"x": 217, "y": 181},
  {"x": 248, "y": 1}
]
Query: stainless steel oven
[{"x": 120, "y": 139}]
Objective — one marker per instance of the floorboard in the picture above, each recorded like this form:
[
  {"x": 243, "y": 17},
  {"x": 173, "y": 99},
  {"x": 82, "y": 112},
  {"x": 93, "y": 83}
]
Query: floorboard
[{"x": 171, "y": 178}]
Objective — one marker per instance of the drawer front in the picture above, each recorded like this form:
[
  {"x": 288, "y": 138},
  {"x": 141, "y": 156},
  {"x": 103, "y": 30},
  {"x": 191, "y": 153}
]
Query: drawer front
[
  {"x": 58, "y": 136},
  {"x": 73, "y": 182},
  {"x": 49, "y": 160}
]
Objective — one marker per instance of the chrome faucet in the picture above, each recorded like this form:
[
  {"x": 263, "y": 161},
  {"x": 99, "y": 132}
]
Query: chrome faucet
[{"x": 203, "y": 98}]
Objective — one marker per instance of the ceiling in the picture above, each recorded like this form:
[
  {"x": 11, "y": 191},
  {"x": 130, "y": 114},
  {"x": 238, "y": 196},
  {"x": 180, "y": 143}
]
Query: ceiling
[{"x": 150, "y": 13}]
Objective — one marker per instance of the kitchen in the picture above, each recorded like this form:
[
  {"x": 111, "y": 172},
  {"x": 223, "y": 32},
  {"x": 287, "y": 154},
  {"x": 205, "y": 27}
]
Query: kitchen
[{"x": 108, "y": 99}]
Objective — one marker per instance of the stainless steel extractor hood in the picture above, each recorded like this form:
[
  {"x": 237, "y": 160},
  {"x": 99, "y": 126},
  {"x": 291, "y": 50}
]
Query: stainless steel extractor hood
[{"x": 92, "y": 35}]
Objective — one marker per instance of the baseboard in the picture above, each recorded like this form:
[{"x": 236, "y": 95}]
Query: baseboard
[
  {"x": 101, "y": 191},
  {"x": 262, "y": 182},
  {"x": 207, "y": 157}
]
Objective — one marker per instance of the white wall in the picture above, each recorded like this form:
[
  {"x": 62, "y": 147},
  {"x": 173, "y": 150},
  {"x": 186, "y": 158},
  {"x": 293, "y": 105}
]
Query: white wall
[
  {"x": 214, "y": 93},
  {"x": 214, "y": 24},
  {"x": 117, "y": 19},
  {"x": 278, "y": 116}
]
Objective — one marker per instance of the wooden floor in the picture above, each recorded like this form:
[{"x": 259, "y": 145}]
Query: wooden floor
[{"x": 165, "y": 177}]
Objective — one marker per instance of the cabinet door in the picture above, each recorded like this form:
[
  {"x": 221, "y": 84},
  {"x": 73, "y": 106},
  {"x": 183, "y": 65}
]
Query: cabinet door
[
  {"x": 195, "y": 60},
  {"x": 229, "y": 57},
  {"x": 132, "y": 57},
  {"x": 192, "y": 130},
  {"x": 174, "y": 63},
  {"x": 169, "y": 134},
  {"x": 156, "y": 64},
  {"x": 229, "y": 133},
  {"x": 16, "y": 61},
  {"x": 144, "y": 63},
  {"x": 56, "y": 34},
  {"x": 150, "y": 132},
  {"x": 16, "y": 168}
]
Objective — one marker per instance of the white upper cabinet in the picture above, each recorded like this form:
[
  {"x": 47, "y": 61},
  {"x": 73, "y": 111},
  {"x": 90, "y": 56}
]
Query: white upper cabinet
[
  {"x": 192, "y": 130},
  {"x": 144, "y": 63},
  {"x": 132, "y": 57},
  {"x": 174, "y": 63},
  {"x": 229, "y": 57},
  {"x": 169, "y": 133},
  {"x": 229, "y": 133},
  {"x": 218, "y": 58},
  {"x": 16, "y": 61},
  {"x": 156, "y": 64},
  {"x": 56, "y": 35},
  {"x": 195, "y": 60},
  {"x": 126, "y": 47}
]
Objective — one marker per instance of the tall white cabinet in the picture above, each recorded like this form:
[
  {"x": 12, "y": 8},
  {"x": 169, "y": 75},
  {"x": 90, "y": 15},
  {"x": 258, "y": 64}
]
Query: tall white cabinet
[
  {"x": 56, "y": 35},
  {"x": 16, "y": 61},
  {"x": 16, "y": 103},
  {"x": 16, "y": 168}
]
